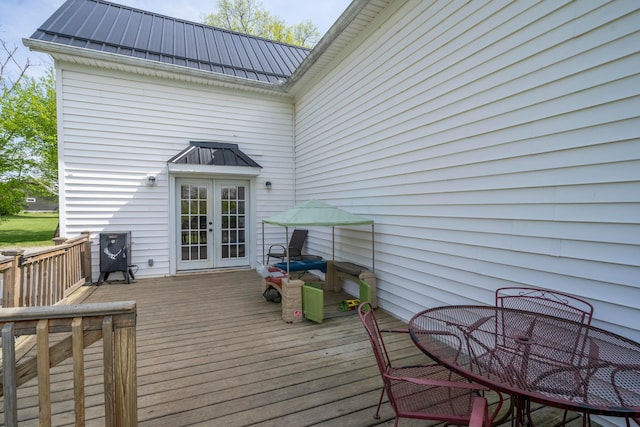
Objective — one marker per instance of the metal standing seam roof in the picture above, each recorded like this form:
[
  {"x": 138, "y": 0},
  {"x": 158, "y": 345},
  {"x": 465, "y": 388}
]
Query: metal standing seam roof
[
  {"x": 213, "y": 153},
  {"x": 108, "y": 27}
]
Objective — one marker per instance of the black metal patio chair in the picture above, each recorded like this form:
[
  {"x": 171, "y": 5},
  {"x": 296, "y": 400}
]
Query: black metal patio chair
[{"x": 298, "y": 238}]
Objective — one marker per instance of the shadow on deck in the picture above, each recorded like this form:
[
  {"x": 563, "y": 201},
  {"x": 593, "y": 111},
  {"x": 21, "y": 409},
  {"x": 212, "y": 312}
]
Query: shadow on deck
[{"x": 212, "y": 352}]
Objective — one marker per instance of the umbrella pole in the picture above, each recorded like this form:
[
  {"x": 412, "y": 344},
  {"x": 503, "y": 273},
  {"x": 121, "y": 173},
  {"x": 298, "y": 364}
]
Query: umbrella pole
[
  {"x": 286, "y": 232},
  {"x": 262, "y": 242},
  {"x": 373, "y": 250},
  {"x": 333, "y": 243}
]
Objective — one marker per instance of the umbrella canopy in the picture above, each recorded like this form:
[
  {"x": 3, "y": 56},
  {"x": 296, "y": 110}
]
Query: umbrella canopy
[{"x": 315, "y": 212}]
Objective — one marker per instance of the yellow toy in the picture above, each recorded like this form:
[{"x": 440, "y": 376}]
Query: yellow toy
[{"x": 349, "y": 304}]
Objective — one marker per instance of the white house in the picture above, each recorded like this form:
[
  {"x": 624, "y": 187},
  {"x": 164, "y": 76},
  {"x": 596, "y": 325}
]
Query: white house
[{"x": 493, "y": 143}]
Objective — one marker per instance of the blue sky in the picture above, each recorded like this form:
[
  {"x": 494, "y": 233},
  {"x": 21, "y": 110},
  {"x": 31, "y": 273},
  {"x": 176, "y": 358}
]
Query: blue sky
[{"x": 20, "y": 18}]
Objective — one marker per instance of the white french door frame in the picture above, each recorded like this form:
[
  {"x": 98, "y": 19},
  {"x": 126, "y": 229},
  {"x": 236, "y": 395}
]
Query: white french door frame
[
  {"x": 196, "y": 243},
  {"x": 174, "y": 220},
  {"x": 231, "y": 222}
]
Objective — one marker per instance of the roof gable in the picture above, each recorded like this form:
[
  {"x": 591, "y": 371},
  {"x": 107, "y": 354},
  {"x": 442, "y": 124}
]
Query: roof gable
[
  {"x": 213, "y": 154},
  {"x": 108, "y": 27}
]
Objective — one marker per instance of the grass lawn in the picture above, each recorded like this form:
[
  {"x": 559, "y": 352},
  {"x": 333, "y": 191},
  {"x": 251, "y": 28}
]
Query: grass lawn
[{"x": 28, "y": 230}]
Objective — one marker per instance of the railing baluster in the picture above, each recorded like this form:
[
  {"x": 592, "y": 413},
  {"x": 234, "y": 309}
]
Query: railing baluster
[
  {"x": 77, "y": 334},
  {"x": 9, "y": 380},
  {"x": 44, "y": 376},
  {"x": 107, "y": 351}
]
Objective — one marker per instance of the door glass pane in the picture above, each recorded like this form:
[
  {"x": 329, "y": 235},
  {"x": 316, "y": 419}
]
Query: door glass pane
[
  {"x": 232, "y": 211},
  {"x": 193, "y": 224}
]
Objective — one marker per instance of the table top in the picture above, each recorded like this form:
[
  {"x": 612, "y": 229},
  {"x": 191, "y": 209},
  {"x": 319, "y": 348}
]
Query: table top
[{"x": 552, "y": 361}]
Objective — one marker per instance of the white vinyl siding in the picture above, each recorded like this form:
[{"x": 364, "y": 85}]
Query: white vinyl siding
[
  {"x": 493, "y": 143},
  {"x": 119, "y": 128}
]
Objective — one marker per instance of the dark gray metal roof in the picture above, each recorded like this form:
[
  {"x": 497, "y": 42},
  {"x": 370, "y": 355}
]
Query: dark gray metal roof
[
  {"x": 213, "y": 153},
  {"x": 122, "y": 30}
]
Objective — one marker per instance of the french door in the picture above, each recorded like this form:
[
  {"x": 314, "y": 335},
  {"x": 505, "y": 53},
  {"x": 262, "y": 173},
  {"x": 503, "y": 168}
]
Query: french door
[{"x": 212, "y": 219}]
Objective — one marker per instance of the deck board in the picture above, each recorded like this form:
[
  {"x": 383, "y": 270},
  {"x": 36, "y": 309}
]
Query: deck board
[{"x": 212, "y": 352}]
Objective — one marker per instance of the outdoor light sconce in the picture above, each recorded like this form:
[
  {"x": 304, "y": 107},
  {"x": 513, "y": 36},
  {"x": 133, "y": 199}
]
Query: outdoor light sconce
[
  {"x": 268, "y": 185},
  {"x": 151, "y": 180}
]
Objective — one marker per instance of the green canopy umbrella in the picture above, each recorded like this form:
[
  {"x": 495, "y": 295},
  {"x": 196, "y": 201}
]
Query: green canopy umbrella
[{"x": 317, "y": 213}]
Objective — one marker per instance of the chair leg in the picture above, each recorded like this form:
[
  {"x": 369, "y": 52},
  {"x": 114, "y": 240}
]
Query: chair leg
[{"x": 377, "y": 415}]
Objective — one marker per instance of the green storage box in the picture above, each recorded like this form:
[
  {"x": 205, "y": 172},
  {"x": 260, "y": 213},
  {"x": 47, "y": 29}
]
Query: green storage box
[
  {"x": 313, "y": 302},
  {"x": 365, "y": 291}
]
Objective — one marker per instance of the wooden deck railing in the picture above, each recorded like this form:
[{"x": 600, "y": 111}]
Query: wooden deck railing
[
  {"x": 45, "y": 277},
  {"x": 85, "y": 324}
]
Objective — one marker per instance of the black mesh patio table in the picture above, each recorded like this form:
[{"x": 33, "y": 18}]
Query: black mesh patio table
[{"x": 534, "y": 357}]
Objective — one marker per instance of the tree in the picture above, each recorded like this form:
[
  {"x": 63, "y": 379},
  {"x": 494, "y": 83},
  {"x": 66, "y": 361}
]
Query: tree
[
  {"x": 250, "y": 17},
  {"x": 28, "y": 136}
]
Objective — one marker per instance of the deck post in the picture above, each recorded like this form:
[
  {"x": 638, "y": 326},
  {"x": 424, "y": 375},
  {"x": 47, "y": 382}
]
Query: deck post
[
  {"x": 86, "y": 257},
  {"x": 125, "y": 383},
  {"x": 10, "y": 292}
]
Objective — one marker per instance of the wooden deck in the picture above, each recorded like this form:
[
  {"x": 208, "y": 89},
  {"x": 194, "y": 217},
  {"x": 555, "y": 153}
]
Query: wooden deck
[{"x": 212, "y": 352}]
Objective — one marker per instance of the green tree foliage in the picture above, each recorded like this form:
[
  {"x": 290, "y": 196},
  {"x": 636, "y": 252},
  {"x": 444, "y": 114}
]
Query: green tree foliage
[
  {"x": 250, "y": 17},
  {"x": 28, "y": 136},
  {"x": 12, "y": 199}
]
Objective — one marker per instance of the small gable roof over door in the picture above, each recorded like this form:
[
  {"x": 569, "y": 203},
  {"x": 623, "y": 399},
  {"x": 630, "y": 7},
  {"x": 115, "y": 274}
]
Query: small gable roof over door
[
  {"x": 213, "y": 153},
  {"x": 223, "y": 157}
]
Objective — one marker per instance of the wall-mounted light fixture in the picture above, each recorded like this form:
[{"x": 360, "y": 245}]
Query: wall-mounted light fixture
[
  {"x": 151, "y": 180},
  {"x": 268, "y": 185}
]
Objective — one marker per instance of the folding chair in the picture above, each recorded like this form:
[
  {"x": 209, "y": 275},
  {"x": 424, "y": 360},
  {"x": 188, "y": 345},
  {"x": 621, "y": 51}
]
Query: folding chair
[{"x": 298, "y": 238}]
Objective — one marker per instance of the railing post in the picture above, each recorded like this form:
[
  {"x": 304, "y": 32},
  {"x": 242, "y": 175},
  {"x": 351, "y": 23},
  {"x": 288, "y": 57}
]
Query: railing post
[
  {"x": 57, "y": 241},
  {"x": 10, "y": 294},
  {"x": 86, "y": 259},
  {"x": 125, "y": 382}
]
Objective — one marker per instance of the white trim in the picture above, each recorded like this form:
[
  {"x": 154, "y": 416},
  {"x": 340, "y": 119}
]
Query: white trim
[
  {"x": 187, "y": 151},
  {"x": 236, "y": 171},
  {"x": 62, "y": 208},
  {"x": 251, "y": 235},
  {"x": 94, "y": 58}
]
